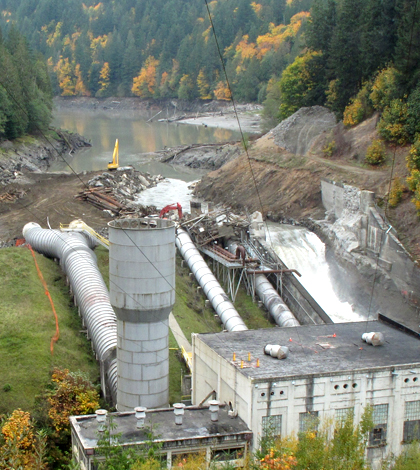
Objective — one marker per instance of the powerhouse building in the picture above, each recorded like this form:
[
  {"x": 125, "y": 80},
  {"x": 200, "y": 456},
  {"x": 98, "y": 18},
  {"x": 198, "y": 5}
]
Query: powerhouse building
[{"x": 329, "y": 372}]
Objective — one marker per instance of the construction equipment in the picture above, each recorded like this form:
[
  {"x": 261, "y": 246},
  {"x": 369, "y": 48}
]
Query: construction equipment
[
  {"x": 80, "y": 226},
  {"x": 171, "y": 207},
  {"x": 115, "y": 159}
]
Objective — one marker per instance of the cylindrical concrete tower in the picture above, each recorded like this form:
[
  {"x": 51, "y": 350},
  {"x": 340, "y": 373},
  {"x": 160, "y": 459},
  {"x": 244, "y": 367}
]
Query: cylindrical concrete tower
[{"x": 142, "y": 292}]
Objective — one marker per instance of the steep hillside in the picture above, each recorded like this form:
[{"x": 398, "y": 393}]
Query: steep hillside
[
  {"x": 161, "y": 48},
  {"x": 283, "y": 185}
]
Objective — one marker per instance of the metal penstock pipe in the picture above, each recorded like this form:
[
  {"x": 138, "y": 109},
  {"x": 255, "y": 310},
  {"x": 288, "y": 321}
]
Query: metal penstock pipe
[
  {"x": 90, "y": 292},
  {"x": 222, "y": 305}
]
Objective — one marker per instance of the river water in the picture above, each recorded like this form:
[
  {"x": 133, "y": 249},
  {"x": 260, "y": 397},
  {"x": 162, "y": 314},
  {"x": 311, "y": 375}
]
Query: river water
[
  {"x": 299, "y": 248},
  {"x": 302, "y": 250},
  {"x": 136, "y": 138}
]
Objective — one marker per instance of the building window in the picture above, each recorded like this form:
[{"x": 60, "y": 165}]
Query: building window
[
  {"x": 411, "y": 421},
  {"x": 225, "y": 455},
  {"x": 380, "y": 421},
  {"x": 308, "y": 421},
  {"x": 341, "y": 414},
  {"x": 271, "y": 426}
]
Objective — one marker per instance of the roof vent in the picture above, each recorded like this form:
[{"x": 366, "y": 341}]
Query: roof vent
[
  {"x": 374, "y": 338},
  {"x": 275, "y": 350},
  {"x": 101, "y": 419},
  {"x": 179, "y": 412},
  {"x": 214, "y": 410},
  {"x": 140, "y": 416}
]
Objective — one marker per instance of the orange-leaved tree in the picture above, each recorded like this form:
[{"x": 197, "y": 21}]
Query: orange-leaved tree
[
  {"x": 22, "y": 447},
  {"x": 144, "y": 85},
  {"x": 74, "y": 394}
]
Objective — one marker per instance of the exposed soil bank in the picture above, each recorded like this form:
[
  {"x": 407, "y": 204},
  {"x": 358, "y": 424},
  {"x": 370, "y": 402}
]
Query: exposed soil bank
[
  {"x": 286, "y": 187},
  {"x": 33, "y": 154}
]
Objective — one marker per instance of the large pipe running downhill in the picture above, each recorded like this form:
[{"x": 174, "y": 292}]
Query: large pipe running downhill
[
  {"x": 211, "y": 287},
  {"x": 276, "y": 306},
  {"x": 274, "y": 303},
  {"x": 74, "y": 250}
]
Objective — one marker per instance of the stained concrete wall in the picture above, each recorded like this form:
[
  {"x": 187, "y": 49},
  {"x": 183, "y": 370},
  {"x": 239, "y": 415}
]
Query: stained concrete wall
[
  {"x": 287, "y": 397},
  {"x": 352, "y": 211}
]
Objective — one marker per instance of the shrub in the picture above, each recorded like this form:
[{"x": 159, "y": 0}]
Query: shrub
[
  {"x": 74, "y": 394},
  {"x": 384, "y": 88},
  {"x": 329, "y": 149},
  {"x": 396, "y": 192},
  {"x": 393, "y": 124},
  {"x": 413, "y": 157},
  {"x": 376, "y": 154},
  {"x": 413, "y": 180},
  {"x": 413, "y": 165},
  {"x": 22, "y": 448},
  {"x": 359, "y": 108}
]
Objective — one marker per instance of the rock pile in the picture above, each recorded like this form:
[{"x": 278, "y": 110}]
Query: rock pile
[{"x": 116, "y": 192}]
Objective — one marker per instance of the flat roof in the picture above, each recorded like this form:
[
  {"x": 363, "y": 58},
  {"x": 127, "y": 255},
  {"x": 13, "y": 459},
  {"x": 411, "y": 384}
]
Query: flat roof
[
  {"x": 314, "y": 349},
  {"x": 196, "y": 424}
]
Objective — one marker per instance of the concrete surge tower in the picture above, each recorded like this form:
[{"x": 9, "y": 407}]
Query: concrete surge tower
[{"x": 142, "y": 292}]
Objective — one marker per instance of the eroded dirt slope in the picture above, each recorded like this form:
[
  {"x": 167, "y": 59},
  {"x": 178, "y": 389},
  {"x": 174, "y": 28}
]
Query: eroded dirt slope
[{"x": 287, "y": 186}]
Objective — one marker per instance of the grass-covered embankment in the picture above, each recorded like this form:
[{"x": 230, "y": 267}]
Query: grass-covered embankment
[{"x": 27, "y": 325}]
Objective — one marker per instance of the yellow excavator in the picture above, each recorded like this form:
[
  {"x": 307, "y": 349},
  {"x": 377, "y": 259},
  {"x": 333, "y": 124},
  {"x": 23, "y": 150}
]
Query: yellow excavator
[{"x": 114, "y": 164}]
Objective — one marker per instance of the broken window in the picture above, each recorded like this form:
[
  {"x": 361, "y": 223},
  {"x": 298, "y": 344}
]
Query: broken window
[{"x": 380, "y": 421}]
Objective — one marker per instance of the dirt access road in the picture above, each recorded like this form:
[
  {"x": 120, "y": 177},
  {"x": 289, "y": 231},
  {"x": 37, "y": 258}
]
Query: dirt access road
[{"x": 49, "y": 197}]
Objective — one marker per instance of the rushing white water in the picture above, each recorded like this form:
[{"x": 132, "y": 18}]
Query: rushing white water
[
  {"x": 302, "y": 250},
  {"x": 168, "y": 191}
]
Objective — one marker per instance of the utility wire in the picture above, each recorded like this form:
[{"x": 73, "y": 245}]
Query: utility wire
[{"x": 243, "y": 140}]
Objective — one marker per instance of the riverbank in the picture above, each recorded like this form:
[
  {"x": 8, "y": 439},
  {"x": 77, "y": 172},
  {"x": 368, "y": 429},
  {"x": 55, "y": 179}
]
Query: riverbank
[
  {"x": 34, "y": 153},
  {"x": 209, "y": 113}
]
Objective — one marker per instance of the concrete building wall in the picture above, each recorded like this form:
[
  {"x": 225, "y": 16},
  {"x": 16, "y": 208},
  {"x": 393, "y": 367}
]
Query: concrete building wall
[
  {"x": 326, "y": 395},
  {"x": 353, "y": 211},
  {"x": 212, "y": 372}
]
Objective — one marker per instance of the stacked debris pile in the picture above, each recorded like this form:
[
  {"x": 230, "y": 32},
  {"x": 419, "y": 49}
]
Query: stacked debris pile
[
  {"x": 12, "y": 194},
  {"x": 116, "y": 192}
]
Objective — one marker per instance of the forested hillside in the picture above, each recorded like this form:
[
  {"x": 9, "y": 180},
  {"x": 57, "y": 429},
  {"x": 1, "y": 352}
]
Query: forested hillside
[
  {"x": 347, "y": 44},
  {"x": 25, "y": 91},
  {"x": 161, "y": 48}
]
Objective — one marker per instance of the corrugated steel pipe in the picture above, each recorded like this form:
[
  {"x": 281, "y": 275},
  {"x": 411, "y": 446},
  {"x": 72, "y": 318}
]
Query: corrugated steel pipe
[
  {"x": 222, "y": 305},
  {"x": 279, "y": 311},
  {"x": 90, "y": 292},
  {"x": 274, "y": 303}
]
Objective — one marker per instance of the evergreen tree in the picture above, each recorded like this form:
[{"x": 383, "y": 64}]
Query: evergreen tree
[
  {"x": 345, "y": 60},
  {"x": 13, "y": 118},
  {"x": 407, "y": 53},
  {"x": 379, "y": 35}
]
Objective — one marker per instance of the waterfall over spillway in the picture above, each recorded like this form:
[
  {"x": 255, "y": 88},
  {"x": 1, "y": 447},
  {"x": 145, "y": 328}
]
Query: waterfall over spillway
[{"x": 302, "y": 250}]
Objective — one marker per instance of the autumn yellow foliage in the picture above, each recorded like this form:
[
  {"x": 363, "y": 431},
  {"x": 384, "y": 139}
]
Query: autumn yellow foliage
[
  {"x": 145, "y": 83},
  {"x": 277, "y": 35},
  {"x": 222, "y": 92},
  {"x": 22, "y": 448},
  {"x": 396, "y": 192},
  {"x": 376, "y": 153},
  {"x": 74, "y": 395},
  {"x": 18, "y": 428}
]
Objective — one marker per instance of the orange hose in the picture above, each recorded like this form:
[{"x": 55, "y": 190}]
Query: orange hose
[{"x": 56, "y": 337}]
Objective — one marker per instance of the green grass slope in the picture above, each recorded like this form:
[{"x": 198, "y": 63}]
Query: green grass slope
[{"x": 27, "y": 325}]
